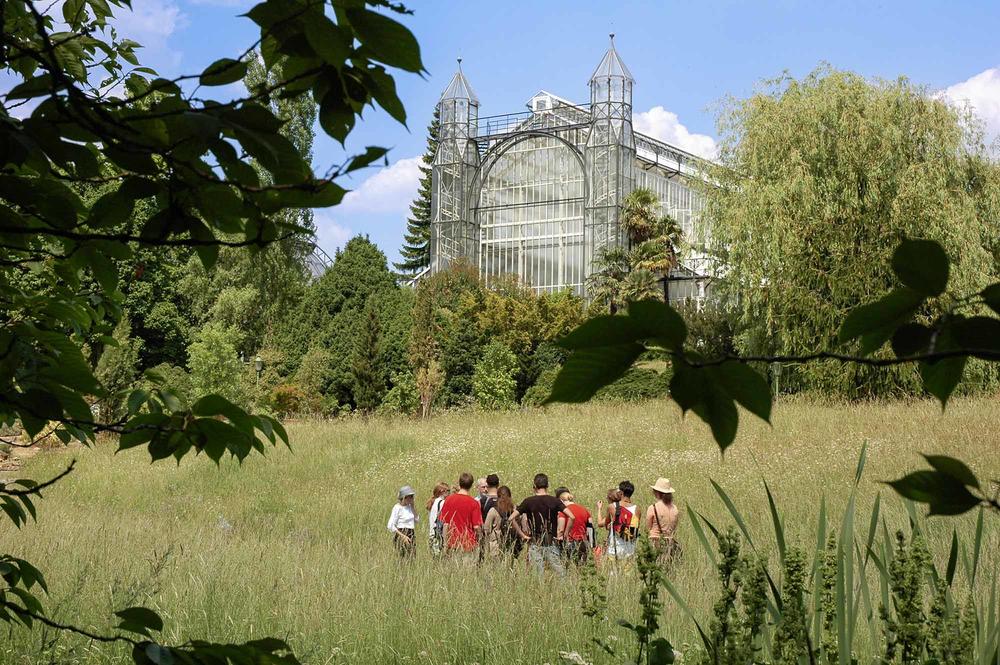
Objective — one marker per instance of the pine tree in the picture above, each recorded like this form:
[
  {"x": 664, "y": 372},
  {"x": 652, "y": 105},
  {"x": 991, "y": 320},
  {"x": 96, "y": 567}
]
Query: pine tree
[
  {"x": 416, "y": 250},
  {"x": 368, "y": 381}
]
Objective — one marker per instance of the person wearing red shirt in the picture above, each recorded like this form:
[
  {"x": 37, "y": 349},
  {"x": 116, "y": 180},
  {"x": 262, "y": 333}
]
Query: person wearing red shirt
[
  {"x": 463, "y": 522},
  {"x": 576, "y": 545}
]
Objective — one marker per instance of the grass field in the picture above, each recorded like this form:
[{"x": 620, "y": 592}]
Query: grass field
[{"x": 294, "y": 544}]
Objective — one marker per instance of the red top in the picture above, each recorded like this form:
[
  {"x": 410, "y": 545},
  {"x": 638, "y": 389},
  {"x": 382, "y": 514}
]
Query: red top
[
  {"x": 579, "y": 530},
  {"x": 462, "y": 514}
]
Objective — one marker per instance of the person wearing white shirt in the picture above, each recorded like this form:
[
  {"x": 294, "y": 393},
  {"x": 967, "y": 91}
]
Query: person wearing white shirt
[
  {"x": 402, "y": 523},
  {"x": 439, "y": 494}
]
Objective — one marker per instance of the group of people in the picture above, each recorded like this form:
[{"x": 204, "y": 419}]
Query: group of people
[{"x": 553, "y": 528}]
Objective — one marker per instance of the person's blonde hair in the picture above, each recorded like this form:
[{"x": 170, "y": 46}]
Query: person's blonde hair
[
  {"x": 614, "y": 495},
  {"x": 439, "y": 489}
]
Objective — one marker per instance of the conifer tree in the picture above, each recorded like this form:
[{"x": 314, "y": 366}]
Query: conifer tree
[
  {"x": 368, "y": 380},
  {"x": 416, "y": 251}
]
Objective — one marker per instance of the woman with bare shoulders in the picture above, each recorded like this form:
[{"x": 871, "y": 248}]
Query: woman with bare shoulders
[
  {"x": 661, "y": 522},
  {"x": 501, "y": 539}
]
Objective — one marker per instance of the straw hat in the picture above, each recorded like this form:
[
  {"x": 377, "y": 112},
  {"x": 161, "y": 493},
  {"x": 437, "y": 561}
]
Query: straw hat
[
  {"x": 663, "y": 486},
  {"x": 405, "y": 491}
]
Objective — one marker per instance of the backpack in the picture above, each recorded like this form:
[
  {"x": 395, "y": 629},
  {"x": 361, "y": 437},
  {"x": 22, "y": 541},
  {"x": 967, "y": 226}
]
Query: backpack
[
  {"x": 438, "y": 524},
  {"x": 508, "y": 535},
  {"x": 485, "y": 503},
  {"x": 626, "y": 522}
]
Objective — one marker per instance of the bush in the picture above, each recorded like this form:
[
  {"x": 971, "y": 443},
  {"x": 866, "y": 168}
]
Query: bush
[
  {"x": 288, "y": 399},
  {"x": 313, "y": 374},
  {"x": 215, "y": 365},
  {"x": 494, "y": 383},
  {"x": 402, "y": 398},
  {"x": 175, "y": 377},
  {"x": 538, "y": 393},
  {"x": 118, "y": 369},
  {"x": 637, "y": 384},
  {"x": 711, "y": 329}
]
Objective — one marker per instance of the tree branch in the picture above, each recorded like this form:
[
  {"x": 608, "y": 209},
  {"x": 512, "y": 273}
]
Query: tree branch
[
  {"x": 986, "y": 354},
  {"x": 37, "y": 489},
  {"x": 17, "y": 609}
]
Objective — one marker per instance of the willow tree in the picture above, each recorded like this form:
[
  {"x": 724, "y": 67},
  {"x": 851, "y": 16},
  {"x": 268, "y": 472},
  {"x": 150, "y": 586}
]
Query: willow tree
[{"x": 818, "y": 180}]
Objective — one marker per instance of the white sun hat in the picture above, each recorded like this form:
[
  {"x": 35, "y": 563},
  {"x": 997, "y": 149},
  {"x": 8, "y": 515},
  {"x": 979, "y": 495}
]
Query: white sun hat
[{"x": 663, "y": 486}]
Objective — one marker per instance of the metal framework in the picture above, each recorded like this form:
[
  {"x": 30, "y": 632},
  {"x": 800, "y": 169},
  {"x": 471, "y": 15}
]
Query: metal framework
[{"x": 537, "y": 193}]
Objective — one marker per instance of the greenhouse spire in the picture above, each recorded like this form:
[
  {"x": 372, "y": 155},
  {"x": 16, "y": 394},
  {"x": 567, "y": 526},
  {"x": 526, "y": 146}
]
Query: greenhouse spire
[
  {"x": 611, "y": 65},
  {"x": 459, "y": 87}
]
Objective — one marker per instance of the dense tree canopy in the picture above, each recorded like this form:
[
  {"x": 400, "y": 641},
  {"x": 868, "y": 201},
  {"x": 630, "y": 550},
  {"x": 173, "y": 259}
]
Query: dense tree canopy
[
  {"x": 101, "y": 161},
  {"x": 819, "y": 180}
]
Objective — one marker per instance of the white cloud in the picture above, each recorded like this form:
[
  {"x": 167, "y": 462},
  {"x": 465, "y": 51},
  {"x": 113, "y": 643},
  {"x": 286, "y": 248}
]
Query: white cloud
[
  {"x": 662, "y": 124},
  {"x": 330, "y": 234},
  {"x": 152, "y": 23},
  {"x": 391, "y": 189},
  {"x": 382, "y": 198},
  {"x": 982, "y": 93}
]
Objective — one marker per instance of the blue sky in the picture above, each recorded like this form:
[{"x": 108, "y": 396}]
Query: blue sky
[{"x": 685, "y": 58}]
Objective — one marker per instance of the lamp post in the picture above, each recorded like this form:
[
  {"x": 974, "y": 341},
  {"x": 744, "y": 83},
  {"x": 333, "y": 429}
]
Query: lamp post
[{"x": 258, "y": 365}]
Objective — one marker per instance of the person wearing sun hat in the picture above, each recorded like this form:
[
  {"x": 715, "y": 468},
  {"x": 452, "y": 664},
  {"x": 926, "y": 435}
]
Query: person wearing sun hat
[
  {"x": 661, "y": 521},
  {"x": 403, "y": 522}
]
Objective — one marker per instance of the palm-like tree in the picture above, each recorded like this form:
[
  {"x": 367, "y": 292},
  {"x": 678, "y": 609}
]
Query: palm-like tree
[
  {"x": 607, "y": 285},
  {"x": 639, "y": 217},
  {"x": 627, "y": 275}
]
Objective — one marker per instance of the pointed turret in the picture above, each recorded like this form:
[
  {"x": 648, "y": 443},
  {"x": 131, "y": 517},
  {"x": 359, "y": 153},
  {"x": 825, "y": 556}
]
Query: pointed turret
[
  {"x": 459, "y": 105},
  {"x": 452, "y": 232},
  {"x": 609, "y": 155},
  {"x": 611, "y": 65},
  {"x": 611, "y": 82},
  {"x": 459, "y": 87}
]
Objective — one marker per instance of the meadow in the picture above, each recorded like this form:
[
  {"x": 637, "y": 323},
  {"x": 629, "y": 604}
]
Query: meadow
[{"x": 294, "y": 544}]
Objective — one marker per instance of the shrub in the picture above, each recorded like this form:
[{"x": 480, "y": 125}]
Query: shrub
[
  {"x": 636, "y": 384},
  {"x": 538, "y": 393},
  {"x": 215, "y": 366},
  {"x": 402, "y": 398},
  {"x": 494, "y": 382},
  {"x": 711, "y": 329},
  {"x": 176, "y": 377},
  {"x": 118, "y": 369},
  {"x": 288, "y": 399},
  {"x": 313, "y": 374},
  {"x": 429, "y": 380}
]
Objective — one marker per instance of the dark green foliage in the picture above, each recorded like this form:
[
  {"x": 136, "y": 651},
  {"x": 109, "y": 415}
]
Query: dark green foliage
[
  {"x": 791, "y": 641},
  {"x": 369, "y": 383},
  {"x": 118, "y": 370},
  {"x": 416, "y": 250},
  {"x": 948, "y": 488},
  {"x": 711, "y": 328},
  {"x": 905, "y": 624},
  {"x": 107, "y": 170},
  {"x": 455, "y": 315},
  {"x": 403, "y": 398},
  {"x": 330, "y": 316},
  {"x": 637, "y": 384}
]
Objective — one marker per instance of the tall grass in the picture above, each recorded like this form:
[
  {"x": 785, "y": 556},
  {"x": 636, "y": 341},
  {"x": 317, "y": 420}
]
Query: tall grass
[{"x": 295, "y": 544}]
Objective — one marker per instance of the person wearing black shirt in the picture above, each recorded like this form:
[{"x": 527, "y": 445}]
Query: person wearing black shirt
[{"x": 547, "y": 522}]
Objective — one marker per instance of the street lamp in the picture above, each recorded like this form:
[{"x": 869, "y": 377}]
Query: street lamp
[{"x": 258, "y": 365}]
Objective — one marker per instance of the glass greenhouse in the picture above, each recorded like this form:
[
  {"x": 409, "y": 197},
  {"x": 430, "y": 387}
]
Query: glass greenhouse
[{"x": 536, "y": 194}]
